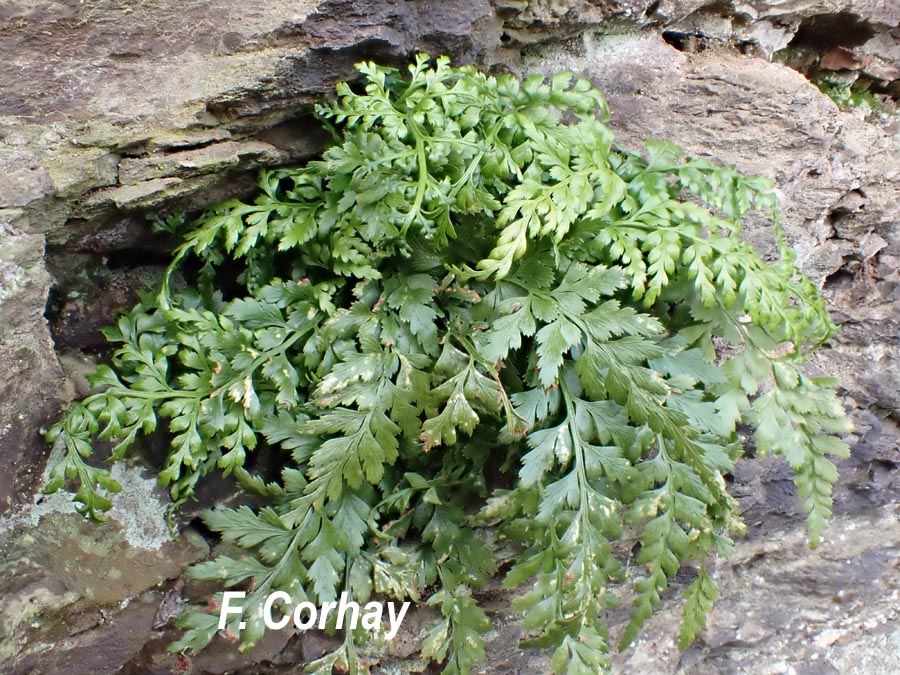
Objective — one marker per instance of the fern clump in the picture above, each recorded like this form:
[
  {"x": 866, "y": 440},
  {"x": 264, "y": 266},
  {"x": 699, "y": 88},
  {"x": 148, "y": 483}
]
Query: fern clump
[{"x": 474, "y": 313}]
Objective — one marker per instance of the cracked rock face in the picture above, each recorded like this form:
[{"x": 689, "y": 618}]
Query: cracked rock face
[
  {"x": 852, "y": 41},
  {"x": 61, "y": 576},
  {"x": 108, "y": 112}
]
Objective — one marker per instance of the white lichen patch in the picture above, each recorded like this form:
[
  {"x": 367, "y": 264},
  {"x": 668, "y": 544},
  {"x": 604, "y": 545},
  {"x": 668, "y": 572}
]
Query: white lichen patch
[
  {"x": 11, "y": 277},
  {"x": 140, "y": 507}
]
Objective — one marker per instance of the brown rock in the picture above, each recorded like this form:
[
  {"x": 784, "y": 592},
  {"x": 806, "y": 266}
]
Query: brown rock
[
  {"x": 78, "y": 597},
  {"x": 840, "y": 59}
]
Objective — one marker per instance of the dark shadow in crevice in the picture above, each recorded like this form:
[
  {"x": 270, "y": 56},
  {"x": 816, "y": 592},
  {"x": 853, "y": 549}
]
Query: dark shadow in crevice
[{"x": 824, "y": 32}]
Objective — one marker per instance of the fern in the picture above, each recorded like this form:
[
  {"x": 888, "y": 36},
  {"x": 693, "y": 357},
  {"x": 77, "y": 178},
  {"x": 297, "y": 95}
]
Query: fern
[{"x": 466, "y": 287}]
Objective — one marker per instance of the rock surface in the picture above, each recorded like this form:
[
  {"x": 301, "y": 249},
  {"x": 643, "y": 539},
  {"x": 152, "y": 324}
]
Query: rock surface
[
  {"x": 79, "y": 597},
  {"x": 110, "y": 110}
]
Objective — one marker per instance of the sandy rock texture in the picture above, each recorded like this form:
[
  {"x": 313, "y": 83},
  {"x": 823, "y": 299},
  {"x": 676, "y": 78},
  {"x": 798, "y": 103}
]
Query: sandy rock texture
[{"x": 110, "y": 111}]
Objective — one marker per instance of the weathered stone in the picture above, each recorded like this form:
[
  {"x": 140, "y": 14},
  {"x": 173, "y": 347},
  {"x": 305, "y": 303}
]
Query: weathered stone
[
  {"x": 24, "y": 186},
  {"x": 186, "y": 138},
  {"x": 113, "y": 639},
  {"x": 211, "y": 158},
  {"x": 83, "y": 310},
  {"x": 138, "y": 195},
  {"x": 785, "y": 609},
  {"x": 27, "y": 362},
  {"x": 122, "y": 233},
  {"x": 61, "y": 575},
  {"x": 768, "y": 37},
  {"x": 878, "y": 69},
  {"x": 807, "y": 29},
  {"x": 840, "y": 59},
  {"x": 74, "y": 173}
]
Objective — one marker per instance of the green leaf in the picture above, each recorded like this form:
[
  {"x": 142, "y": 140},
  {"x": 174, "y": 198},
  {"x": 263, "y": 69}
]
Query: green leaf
[
  {"x": 700, "y": 596},
  {"x": 474, "y": 329}
]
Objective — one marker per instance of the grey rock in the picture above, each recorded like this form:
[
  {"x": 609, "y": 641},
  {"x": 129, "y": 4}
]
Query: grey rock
[
  {"x": 208, "y": 159},
  {"x": 28, "y": 364},
  {"x": 62, "y": 576}
]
